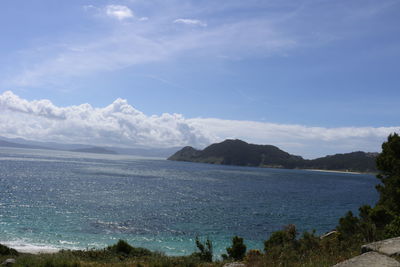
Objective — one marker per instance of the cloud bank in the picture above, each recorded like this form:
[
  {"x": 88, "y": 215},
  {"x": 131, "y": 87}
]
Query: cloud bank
[
  {"x": 121, "y": 124},
  {"x": 116, "y": 124}
]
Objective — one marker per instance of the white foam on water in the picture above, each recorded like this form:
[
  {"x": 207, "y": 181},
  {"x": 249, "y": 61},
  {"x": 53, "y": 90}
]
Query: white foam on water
[
  {"x": 67, "y": 242},
  {"x": 24, "y": 247}
]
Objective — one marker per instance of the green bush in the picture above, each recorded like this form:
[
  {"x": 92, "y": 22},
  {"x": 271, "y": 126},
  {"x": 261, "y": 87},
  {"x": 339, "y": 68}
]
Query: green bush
[
  {"x": 348, "y": 226},
  {"x": 238, "y": 249},
  {"x": 281, "y": 238},
  {"x": 205, "y": 250},
  {"x": 381, "y": 216},
  {"x": 4, "y": 250},
  {"x": 308, "y": 241},
  {"x": 393, "y": 229},
  {"x": 122, "y": 247}
]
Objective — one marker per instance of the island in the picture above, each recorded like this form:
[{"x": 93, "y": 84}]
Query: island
[{"x": 241, "y": 153}]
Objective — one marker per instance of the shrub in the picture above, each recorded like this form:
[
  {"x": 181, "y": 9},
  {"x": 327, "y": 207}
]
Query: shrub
[
  {"x": 122, "y": 247},
  {"x": 309, "y": 241},
  {"x": 280, "y": 238},
  {"x": 381, "y": 216},
  {"x": 348, "y": 226},
  {"x": 238, "y": 249},
  {"x": 205, "y": 250},
  {"x": 393, "y": 229},
  {"x": 4, "y": 250}
]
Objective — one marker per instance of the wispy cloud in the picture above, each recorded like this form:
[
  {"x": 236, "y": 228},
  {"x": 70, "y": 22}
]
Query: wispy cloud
[
  {"x": 193, "y": 22},
  {"x": 275, "y": 28},
  {"x": 119, "y": 12},
  {"x": 72, "y": 60},
  {"x": 121, "y": 124},
  {"x": 130, "y": 46}
]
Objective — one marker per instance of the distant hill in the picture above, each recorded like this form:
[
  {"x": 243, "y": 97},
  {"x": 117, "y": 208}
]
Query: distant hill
[
  {"x": 141, "y": 151},
  {"x": 16, "y": 145},
  {"x": 146, "y": 151},
  {"x": 354, "y": 161},
  {"x": 238, "y": 152},
  {"x": 97, "y": 150}
]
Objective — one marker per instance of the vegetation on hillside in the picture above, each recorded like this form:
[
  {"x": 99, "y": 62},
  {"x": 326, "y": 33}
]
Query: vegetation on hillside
[{"x": 237, "y": 152}]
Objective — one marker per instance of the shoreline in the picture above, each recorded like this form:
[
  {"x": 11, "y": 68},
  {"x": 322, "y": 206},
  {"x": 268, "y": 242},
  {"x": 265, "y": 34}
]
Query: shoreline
[
  {"x": 333, "y": 171},
  {"x": 27, "y": 248}
]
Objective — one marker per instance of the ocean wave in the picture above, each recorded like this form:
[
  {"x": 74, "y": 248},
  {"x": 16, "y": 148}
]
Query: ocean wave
[{"x": 24, "y": 247}]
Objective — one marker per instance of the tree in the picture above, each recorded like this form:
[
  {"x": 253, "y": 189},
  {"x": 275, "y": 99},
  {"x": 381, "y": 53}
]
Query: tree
[
  {"x": 348, "y": 226},
  {"x": 205, "y": 250},
  {"x": 238, "y": 249},
  {"x": 388, "y": 163}
]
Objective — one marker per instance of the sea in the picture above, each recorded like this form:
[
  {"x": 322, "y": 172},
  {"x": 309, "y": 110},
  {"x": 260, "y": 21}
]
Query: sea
[{"x": 51, "y": 200}]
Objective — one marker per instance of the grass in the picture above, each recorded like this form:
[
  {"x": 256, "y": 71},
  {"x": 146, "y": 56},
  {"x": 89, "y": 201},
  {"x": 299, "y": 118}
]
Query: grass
[
  {"x": 120, "y": 254},
  {"x": 323, "y": 253}
]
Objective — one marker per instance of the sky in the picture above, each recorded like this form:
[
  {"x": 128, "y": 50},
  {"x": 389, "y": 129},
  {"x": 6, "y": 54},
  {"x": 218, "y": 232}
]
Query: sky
[{"x": 312, "y": 77}]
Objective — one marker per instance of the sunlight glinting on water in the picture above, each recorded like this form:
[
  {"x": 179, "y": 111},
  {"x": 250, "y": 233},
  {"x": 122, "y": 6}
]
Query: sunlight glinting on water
[{"x": 74, "y": 200}]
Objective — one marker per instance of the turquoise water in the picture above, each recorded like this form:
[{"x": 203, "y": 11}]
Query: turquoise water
[{"x": 52, "y": 200}]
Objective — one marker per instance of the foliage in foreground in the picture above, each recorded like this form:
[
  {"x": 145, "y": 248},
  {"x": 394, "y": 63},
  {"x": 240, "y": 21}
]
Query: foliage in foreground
[
  {"x": 205, "y": 250},
  {"x": 237, "y": 251},
  {"x": 383, "y": 220},
  {"x": 4, "y": 250},
  {"x": 106, "y": 257},
  {"x": 373, "y": 223}
]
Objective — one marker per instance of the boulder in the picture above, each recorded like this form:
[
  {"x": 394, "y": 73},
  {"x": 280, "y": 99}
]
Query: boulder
[
  {"x": 234, "y": 264},
  {"x": 331, "y": 233},
  {"x": 8, "y": 262},
  {"x": 390, "y": 247},
  {"x": 369, "y": 259}
]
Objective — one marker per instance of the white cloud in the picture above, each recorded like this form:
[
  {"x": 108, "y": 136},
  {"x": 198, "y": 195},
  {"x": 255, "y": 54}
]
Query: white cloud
[
  {"x": 119, "y": 12},
  {"x": 121, "y": 124},
  {"x": 193, "y": 22},
  {"x": 116, "y": 124}
]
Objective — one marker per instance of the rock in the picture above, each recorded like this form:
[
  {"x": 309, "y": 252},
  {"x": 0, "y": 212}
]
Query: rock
[
  {"x": 390, "y": 247},
  {"x": 329, "y": 234},
  {"x": 369, "y": 259},
  {"x": 8, "y": 262},
  {"x": 234, "y": 264}
]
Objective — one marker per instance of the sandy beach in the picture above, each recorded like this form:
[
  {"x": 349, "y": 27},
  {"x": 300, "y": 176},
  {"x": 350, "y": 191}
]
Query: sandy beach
[{"x": 319, "y": 170}]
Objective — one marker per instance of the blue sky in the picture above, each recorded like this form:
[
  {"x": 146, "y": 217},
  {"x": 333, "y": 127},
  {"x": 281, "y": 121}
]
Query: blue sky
[{"x": 316, "y": 64}]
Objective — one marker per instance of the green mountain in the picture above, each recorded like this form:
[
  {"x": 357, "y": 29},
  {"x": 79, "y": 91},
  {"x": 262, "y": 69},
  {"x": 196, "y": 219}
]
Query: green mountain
[{"x": 237, "y": 152}]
